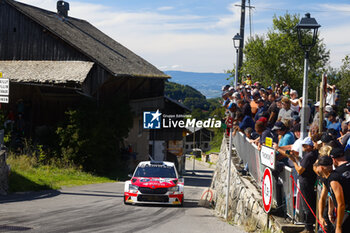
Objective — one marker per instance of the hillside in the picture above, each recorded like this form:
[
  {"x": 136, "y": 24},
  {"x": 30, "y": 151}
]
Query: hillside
[
  {"x": 209, "y": 84},
  {"x": 187, "y": 95}
]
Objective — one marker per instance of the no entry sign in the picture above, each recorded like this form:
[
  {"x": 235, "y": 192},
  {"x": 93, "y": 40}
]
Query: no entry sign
[{"x": 267, "y": 190}]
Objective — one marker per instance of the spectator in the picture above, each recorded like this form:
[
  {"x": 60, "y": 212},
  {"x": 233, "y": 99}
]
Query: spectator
[
  {"x": 287, "y": 138},
  {"x": 273, "y": 110},
  {"x": 338, "y": 183},
  {"x": 232, "y": 107},
  {"x": 331, "y": 95},
  {"x": 254, "y": 103},
  {"x": 285, "y": 113},
  {"x": 225, "y": 88},
  {"x": 236, "y": 96},
  {"x": 245, "y": 121},
  {"x": 244, "y": 106},
  {"x": 261, "y": 109},
  {"x": 250, "y": 134},
  {"x": 297, "y": 147},
  {"x": 269, "y": 90},
  {"x": 316, "y": 118},
  {"x": 332, "y": 123},
  {"x": 344, "y": 139},
  {"x": 307, "y": 178},
  {"x": 264, "y": 132},
  {"x": 294, "y": 101}
]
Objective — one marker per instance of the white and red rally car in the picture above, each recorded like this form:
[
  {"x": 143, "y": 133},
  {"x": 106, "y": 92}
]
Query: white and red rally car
[{"x": 155, "y": 182}]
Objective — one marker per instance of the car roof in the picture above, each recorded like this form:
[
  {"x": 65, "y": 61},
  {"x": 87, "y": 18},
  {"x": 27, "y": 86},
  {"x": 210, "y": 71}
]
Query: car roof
[{"x": 169, "y": 164}]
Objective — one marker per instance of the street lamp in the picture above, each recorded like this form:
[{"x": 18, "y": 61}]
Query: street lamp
[
  {"x": 307, "y": 35},
  {"x": 236, "y": 43}
]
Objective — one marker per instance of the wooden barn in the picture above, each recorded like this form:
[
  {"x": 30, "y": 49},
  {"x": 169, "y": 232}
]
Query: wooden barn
[{"x": 53, "y": 59}]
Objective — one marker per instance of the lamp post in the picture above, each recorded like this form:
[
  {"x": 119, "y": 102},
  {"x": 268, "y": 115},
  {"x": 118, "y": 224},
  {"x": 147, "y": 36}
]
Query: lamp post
[
  {"x": 236, "y": 43},
  {"x": 307, "y": 35}
]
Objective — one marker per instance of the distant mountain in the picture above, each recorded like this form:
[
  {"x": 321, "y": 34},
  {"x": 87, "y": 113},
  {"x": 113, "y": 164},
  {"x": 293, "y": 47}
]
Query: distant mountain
[{"x": 209, "y": 84}]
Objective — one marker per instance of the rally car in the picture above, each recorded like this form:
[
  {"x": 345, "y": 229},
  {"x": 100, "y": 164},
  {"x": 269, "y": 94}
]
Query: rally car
[{"x": 154, "y": 182}]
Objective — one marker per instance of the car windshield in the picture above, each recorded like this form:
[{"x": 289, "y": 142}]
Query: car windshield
[{"x": 162, "y": 171}]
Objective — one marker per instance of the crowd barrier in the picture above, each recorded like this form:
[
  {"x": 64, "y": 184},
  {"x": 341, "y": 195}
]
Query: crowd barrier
[{"x": 250, "y": 155}]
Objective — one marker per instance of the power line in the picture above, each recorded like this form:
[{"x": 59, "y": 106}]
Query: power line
[{"x": 301, "y": 11}]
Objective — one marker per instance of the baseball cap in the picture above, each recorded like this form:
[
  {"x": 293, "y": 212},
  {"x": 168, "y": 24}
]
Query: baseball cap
[
  {"x": 269, "y": 88},
  {"x": 231, "y": 105},
  {"x": 293, "y": 92},
  {"x": 279, "y": 125},
  {"x": 317, "y": 104},
  {"x": 348, "y": 100},
  {"x": 256, "y": 94},
  {"x": 307, "y": 141},
  {"x": 324, "y": 161},
  {"x": 328, "y": 108},
  {"x": 236, "y": 95},
  {"x": 223, "y": 88},
  {"x": 326, "y": 138},
  {"x": 262, "y": 119},
  {"x": 337, "y": 152}
]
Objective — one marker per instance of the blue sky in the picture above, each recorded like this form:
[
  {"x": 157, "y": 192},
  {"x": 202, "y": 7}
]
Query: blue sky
[{"x": 196, "y": 35}]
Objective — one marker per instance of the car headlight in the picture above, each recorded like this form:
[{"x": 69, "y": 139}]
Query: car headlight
[
  {"x": 133, "y": 187},
  {"x": 174, "y": 189}
]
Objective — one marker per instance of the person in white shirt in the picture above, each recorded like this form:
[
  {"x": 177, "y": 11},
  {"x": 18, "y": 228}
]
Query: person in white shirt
[
  {"x": 331, "y": 95},
  {"x": 294, "y": 101}
]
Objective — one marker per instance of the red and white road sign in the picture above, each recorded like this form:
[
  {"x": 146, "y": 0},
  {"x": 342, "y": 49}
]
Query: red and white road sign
[{"x": 267, "y": 190}]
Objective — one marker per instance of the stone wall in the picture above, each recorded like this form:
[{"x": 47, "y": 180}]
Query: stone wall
[
  {"x": 245, "y": 202},
  {"x": 4, "y": 171}
]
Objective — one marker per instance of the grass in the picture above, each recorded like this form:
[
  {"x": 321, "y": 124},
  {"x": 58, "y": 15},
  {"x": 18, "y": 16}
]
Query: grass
[
  {"x": 28, "y": 175},
  {"x": 214, "y": 149}
]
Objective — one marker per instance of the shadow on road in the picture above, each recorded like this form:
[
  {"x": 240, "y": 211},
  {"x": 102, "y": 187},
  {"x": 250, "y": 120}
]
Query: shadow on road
[
  {"x": 30, "y": 196},
  {"x": 7, "y": 228},
  {"x": 92, "y": 194}
]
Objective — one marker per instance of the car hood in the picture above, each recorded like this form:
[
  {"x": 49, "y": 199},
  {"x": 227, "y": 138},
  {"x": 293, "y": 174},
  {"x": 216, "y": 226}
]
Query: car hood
[{"x": 154, "y": 182}]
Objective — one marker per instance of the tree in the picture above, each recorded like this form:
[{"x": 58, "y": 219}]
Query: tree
[
  {"x": 278, "y": 56},
  {"x": 342, "y": 81}
]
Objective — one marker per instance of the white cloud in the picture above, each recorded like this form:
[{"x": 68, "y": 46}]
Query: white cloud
[
  {"x": 190, "y": 42},
  {"x": 165, "y": 8},
  {"x": 184, "y": 42}
]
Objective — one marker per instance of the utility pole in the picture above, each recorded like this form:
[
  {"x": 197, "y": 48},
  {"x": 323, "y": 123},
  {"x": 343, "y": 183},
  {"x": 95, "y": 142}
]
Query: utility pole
[{"x": 241, "y": 33}]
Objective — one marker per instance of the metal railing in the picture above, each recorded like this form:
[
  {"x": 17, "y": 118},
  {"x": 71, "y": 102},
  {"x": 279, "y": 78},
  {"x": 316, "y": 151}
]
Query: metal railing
[{"x": 250, "y": 155}]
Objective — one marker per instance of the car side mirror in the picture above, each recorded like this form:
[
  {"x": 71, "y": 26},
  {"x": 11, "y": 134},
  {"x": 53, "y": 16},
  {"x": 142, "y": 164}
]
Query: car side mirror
[{"x": 130, "y": 175}]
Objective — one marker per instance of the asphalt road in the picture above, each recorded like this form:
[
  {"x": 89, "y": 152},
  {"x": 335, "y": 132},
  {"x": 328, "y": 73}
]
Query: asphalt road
[{"x": 100, "y": 208}]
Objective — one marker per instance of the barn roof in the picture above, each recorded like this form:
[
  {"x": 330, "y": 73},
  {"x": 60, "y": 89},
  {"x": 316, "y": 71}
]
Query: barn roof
[
  {"x": 100, "y": 48},
  {"x": 54, "y": 72}
]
